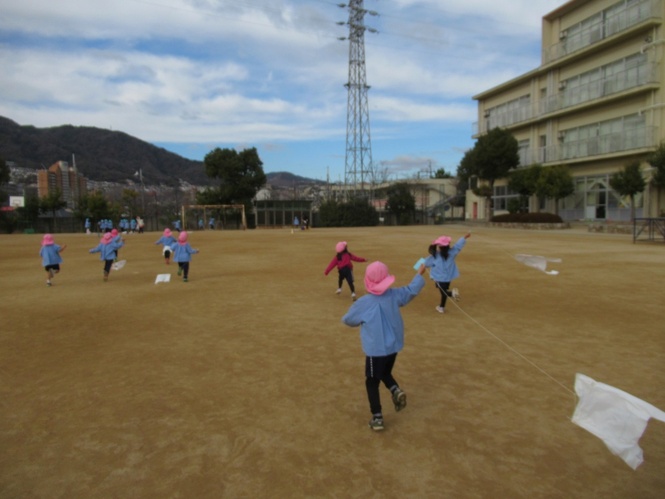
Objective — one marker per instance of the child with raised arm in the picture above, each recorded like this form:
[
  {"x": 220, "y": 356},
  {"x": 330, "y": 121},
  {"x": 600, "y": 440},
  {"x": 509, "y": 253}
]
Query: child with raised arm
[
  {"x": 343, "y": 261},
  {"x": 443, "y": 269},
  {"x": 107, "y": 248},
  {"x": 382, "y": 333},
  {"x": 51, "y": 259},
  {"x": 182, "y": 255},
  {"x": 167, "y": 240}
]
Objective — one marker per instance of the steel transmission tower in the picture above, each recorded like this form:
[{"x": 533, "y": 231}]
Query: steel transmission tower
[{"x": 358, "y": 165}]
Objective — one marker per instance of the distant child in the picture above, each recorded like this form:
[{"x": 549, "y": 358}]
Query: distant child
[
  {"x": 182, "y": 254},
  {"x": 382, "y": 333},
  {"x": 51, "y": 258},
  {"x": 343, "y": 261},
  {"x": 443, "y": 269},
  {"x": 107, "y": 249},
  {"x": 167, "y": 240}
]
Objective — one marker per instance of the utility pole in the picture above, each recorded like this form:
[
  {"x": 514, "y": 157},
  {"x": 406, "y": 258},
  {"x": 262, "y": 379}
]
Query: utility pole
[{"x": 358, "y": 164}]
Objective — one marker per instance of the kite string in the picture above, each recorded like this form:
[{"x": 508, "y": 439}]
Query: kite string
[{"x": 526, "y": 359}]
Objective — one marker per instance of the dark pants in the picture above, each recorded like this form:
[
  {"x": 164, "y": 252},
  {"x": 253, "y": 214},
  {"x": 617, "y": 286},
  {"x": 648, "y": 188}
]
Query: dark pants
[
  {"x": 445, "y": 293},
  {"x": 378, "y": 369},
  {"x": 185, "y": 268},
  {"x": 107, "y": 266},
  {"x": 346, "y": 274}
]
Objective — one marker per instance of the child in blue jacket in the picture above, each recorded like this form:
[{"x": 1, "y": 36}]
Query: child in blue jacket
[
  {"x": 382, "y": 333},
  {"x": 443, "y": 269},
  {"x": 182, "y": 254},
  {"x": 51, "y": 259},
  {"x": 107, "y": 249},
  {"x": 167, "y": 240}
]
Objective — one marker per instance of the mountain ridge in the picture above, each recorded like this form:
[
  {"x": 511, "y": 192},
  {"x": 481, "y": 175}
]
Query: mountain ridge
[{"x": 107, "y": 155}]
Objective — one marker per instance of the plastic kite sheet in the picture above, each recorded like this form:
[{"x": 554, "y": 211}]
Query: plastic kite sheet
[
  {"x": 163, "y": 278},
  {"x": 538, "y": 262},
  {"x": 119, "y": 265},
  {"x": 616, "y": 417}
]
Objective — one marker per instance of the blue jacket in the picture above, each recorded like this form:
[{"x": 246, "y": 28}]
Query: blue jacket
[
  {"x": 445, "y": 270},
  {"x": 183, "y": 252},
  {"x": 166, "y": 241},
  {"x": 50, "y": 254},
  {"x": 380, "y": 320},
  {"x": 107, "y": 250}
]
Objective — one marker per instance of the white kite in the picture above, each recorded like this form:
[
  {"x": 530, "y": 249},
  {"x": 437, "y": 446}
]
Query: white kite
[
  {"x": 616, "y": 417},
  {"x": 538, "y": 262},
  {"x": 163, "y": 278},
  {"x": 119, "y": 265}
]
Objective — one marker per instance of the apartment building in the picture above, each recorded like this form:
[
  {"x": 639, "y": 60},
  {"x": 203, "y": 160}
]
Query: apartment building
[
  {"x": 595, "y": 104},
  {"x": 65, "y": 178}
]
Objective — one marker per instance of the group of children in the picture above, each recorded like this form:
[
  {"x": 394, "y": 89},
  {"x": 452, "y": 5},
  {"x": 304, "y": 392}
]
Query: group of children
[
  {"x": 180, "y": 249},
  {"x": 379, "y": 317},
  {"x": 108, "y": 247}
]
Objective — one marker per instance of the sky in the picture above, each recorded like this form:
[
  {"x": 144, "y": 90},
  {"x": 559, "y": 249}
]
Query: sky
[{"x": 194, "y": 75}]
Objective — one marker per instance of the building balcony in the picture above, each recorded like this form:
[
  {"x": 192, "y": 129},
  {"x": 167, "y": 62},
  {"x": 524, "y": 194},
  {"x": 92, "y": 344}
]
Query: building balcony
[
  {"x": 639, "y": 78},
  {"x": 623, "y": 21}
]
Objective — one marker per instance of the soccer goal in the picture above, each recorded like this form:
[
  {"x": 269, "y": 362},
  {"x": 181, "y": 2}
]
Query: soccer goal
[{"x": 213, "y": 216}]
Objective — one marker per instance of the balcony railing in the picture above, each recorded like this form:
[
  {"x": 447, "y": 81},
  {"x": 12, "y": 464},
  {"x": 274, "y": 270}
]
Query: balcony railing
[
  {"x": 627, "y": 140},
  {"x": 631, "y": 15},
  {"x": 645, "y": 74}
]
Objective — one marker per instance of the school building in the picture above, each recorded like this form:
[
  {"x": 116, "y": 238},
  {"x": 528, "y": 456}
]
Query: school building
[{"x": 595, "y": 104}]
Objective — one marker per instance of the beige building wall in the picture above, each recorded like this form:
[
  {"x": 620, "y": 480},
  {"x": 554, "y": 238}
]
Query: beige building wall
[{"x": 595, "y": 104}]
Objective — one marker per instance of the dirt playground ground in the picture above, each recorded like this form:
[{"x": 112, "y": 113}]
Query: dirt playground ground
[{"x": 243, "y": 382}]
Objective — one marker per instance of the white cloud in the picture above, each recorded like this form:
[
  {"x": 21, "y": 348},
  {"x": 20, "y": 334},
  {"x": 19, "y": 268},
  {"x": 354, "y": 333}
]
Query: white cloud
[{"x": 270, "y": 71}]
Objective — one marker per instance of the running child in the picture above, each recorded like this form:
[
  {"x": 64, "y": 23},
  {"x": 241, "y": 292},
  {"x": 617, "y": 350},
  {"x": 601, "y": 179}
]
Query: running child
[
  {"x": 107, "y": 248},
  {"x": 443, "y": 269},
  {"x": 167, "y": 240},
  {"x": 343, "y": 261},
  {"x": 182, "y": 254},
  {"x": 382, "y": 333},
  {"x": 51, "y": 259}
]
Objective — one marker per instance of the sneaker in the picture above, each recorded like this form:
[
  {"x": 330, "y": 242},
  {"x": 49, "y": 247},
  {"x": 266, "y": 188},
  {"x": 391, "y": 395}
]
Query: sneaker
[
  {"x": 441, "y": 310},
  {"x": 399, "y": 399},
  {"x": 376, "y": 424},
  {"x": 185, "y": 279},
  {"x": 338, "y": 291},
  {"x": 48, "y": 282},
  {"x": 456, "y": 296},
  {"x": 353, "y": 296}
]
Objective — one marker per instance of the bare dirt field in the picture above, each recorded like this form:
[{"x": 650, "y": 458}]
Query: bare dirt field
[{"x": 243, "y": 382}]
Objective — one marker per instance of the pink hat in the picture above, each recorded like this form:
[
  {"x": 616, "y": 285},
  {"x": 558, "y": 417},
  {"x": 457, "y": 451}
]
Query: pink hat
[
  {"x": 377, "y": 278},
  {"x": 107, "y": 237},
  {"x": 47, "y": 240},
  {"x": 182, "y": 238},
  {"x": 114, "y": 232},
  {"x": 340, "y": 246},
  {"x": 167, "y": 232},
  {"x": 442, "y": 241}
]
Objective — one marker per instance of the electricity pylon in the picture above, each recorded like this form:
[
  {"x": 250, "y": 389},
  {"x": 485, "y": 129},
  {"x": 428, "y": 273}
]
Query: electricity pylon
[{"x": 358, "y": 165}]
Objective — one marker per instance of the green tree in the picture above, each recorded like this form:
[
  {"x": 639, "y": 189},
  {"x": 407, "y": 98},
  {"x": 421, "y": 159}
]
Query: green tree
[
  {"x": 524, "y": 181},
  {"x": 355, "y": 213},
  {"x": 441, "y": 173},
  {"x": 93, "y": 205},
  {"x": 555, "y": 182},
  {"x": 657, "y": 160},
  {"x": 130, "y": 201},
  {"x": 492, "y": 158},
  {"x": 51, "y": 203},
  {"x": 401, "y": 202},
  {"x": 240, "y": 176},
  {"x": 629, "y": 182}
]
